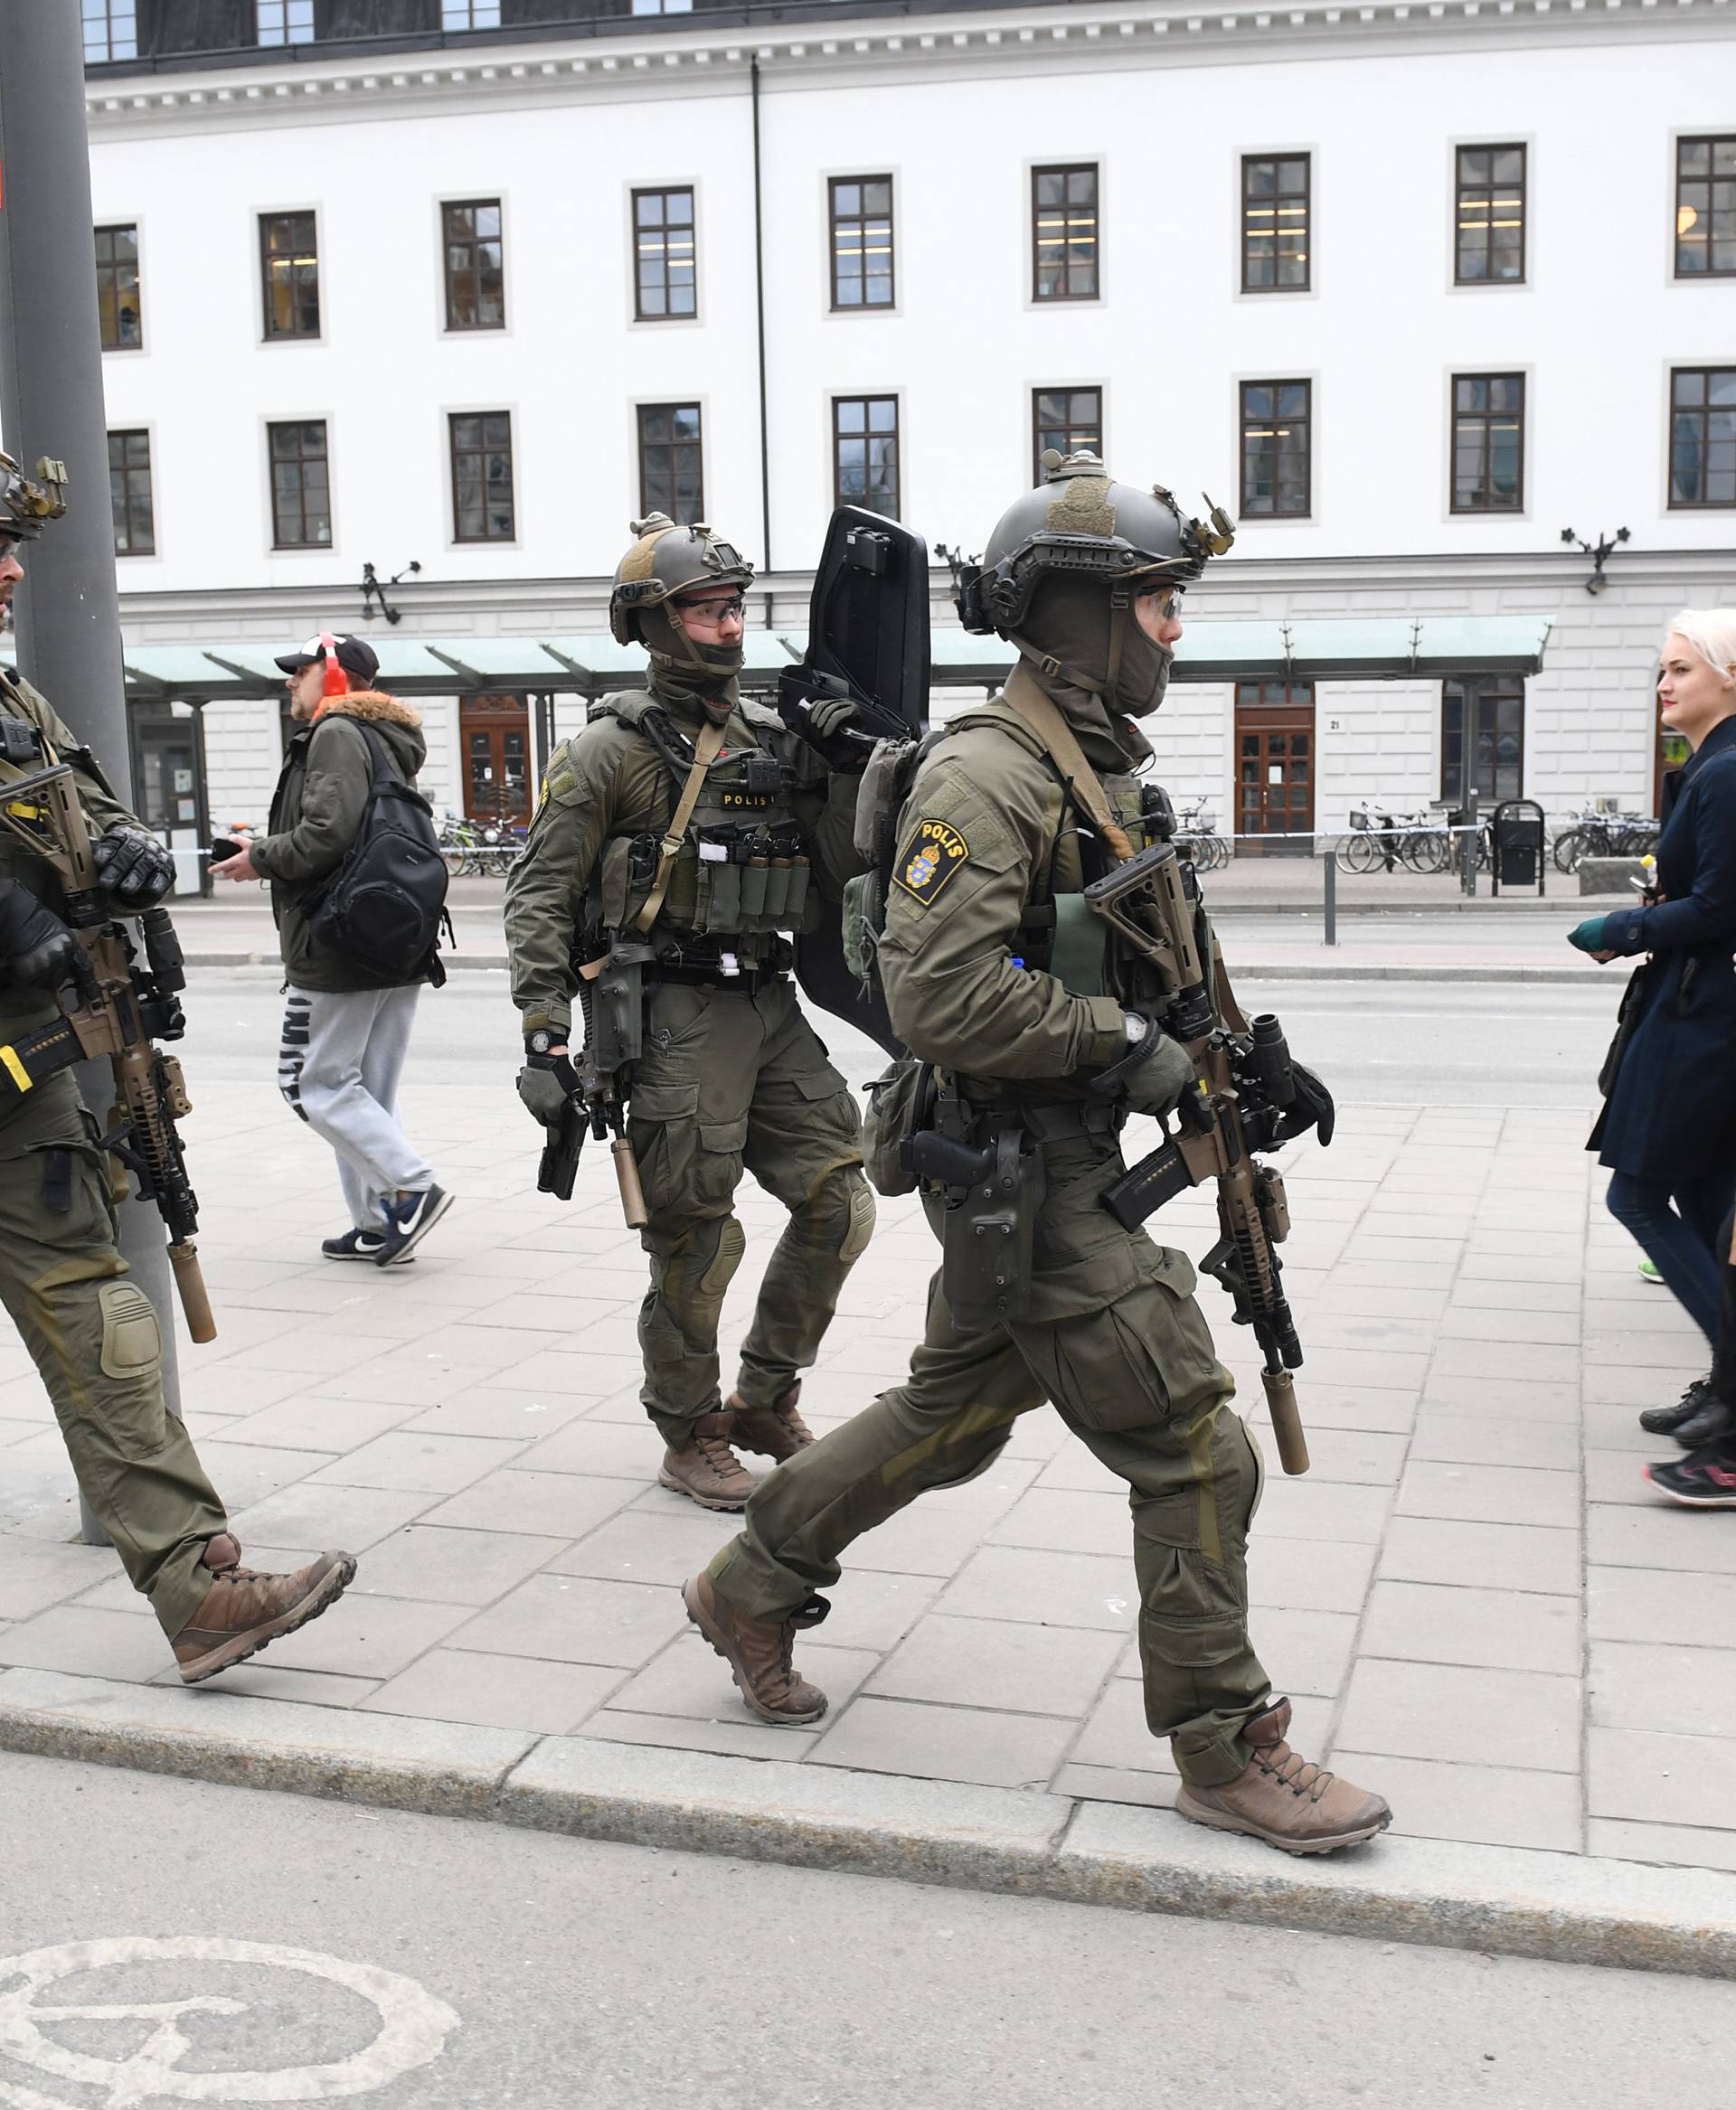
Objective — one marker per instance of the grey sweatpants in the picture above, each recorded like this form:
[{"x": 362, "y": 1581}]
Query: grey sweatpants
[{"x": 342, "y": 1056}]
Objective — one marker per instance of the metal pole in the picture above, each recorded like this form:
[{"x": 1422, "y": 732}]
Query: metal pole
[
  {"x": 51, "y": 403},
  {"x": 1468, "y": 869},
  {"x": 1332, "y": 898}
]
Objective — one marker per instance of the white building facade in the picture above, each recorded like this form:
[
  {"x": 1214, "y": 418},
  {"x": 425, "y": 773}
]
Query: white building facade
[{"x": 1410, "y": 288}]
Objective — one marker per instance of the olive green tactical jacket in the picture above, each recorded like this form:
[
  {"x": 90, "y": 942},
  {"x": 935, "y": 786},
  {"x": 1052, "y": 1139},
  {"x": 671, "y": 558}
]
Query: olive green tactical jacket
[
  {"x": 22, "y": 1009},
  {"x": 986, "y": 830},
  {"x": 610, "y": 782}
]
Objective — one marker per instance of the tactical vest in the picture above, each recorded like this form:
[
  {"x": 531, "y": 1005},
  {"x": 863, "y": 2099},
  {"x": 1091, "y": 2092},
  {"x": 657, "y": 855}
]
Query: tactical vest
[{"x": 742, "y": 871}]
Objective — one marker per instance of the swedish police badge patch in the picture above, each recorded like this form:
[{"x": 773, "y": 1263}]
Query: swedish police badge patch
[{"x": 928, "y": 859}]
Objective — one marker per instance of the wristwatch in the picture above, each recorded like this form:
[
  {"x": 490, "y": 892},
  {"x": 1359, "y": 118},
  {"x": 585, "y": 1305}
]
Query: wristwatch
[{"x": 539, "y": 1042}]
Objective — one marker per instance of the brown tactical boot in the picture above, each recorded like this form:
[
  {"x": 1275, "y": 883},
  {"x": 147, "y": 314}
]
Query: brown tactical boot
[
  {"x": 1284, "y": 1799},
  {"x": 706, "y": 1468},
  {"x": 775, "y": 1432},
  {"x": 243, "y": 1612},
  {"x": 758, "y": 1653}
]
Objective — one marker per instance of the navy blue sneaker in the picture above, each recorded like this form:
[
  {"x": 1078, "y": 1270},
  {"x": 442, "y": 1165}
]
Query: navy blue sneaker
[
  {"x": 354, "y": 1245},
  {"x": 408, "y": 1221}
]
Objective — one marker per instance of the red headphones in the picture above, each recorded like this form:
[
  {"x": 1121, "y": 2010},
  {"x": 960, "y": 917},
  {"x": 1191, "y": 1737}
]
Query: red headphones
[{"x": 337, "y": 681}]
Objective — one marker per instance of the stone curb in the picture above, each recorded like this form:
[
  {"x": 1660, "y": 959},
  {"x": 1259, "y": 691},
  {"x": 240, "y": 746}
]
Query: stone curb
[
  {"x": 1508, "y": 1900},
  {"x": 1249, "y": 970}
]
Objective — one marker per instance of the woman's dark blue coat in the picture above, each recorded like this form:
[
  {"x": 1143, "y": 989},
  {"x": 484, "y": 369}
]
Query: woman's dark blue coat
[{"x": 1671, "y": 1114}]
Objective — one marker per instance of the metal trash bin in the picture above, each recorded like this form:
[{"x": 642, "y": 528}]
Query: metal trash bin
[{"x": 1519, "y": 839}]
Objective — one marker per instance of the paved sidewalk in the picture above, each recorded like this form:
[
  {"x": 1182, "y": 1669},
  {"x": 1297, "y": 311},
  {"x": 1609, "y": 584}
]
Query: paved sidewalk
[{"x": 1474, "y": 1598}]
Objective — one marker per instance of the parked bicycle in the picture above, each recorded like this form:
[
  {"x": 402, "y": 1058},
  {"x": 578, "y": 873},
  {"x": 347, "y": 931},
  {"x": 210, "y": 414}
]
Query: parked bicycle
[
  {"x": 1598, "y": 835},
  {"x": 1377, "y": 841},
  {"x": 1197, "y": 839}
]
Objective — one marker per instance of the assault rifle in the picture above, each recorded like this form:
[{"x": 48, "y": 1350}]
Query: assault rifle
[
  {"x": 121, "y": 1011},
  {"x": 611, "y": 997},
  {"x": 1244, "y": 1085}
]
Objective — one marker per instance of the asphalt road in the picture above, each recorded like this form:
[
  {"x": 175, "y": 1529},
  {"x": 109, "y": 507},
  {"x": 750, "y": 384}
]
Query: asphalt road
[
  {"x": 1410, "y": 1043},
  {"x": 442, "y": 1965}
]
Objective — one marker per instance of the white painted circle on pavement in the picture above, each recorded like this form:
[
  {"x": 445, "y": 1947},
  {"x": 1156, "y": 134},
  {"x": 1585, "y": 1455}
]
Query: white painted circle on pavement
[{"x": 413, "y": 2025}]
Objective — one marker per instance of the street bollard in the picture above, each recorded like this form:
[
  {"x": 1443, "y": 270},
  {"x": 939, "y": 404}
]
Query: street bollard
[{"x": 1332, "y": 898}]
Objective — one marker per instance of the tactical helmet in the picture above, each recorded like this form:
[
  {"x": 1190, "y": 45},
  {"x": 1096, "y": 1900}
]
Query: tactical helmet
[
  {"x": 664, "y": 561},
  {"x": 25, "y": 505},
  {"x": 1079, "y": 524}
]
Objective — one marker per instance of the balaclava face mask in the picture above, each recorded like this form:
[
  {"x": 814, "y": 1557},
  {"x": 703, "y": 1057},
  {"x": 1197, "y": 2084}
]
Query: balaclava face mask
[
  {"x": 1071, "y": 620},
  {"x": 685, "y": 673}
]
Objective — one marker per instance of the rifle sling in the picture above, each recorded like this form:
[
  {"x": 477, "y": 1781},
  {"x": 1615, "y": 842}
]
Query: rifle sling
[{"x": 706, "y": 748}]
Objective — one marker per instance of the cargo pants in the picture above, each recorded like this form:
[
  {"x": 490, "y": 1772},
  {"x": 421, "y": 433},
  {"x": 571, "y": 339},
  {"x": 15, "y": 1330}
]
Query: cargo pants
[
  {"x": 731, "y": 1081},
  {"x": 1112, "y": 1335},
  {"x": 93, "y": 1336}
]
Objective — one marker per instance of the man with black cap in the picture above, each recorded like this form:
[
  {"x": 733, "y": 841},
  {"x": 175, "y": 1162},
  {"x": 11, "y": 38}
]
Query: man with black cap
[{"x": 346, "y": 1030}]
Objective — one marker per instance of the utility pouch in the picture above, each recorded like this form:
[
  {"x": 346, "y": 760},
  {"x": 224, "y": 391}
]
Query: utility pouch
[
  {"x": 900, "y": 1105},
  {"x": 864, "y": 918},
  {"x": 719, "y": 904},
  {"x": 617, "y": 1007},
  {"x": 614, "y": 882},
  {"x": 755, "y": 874},
  {"x": 778, "y": 871},
  {"x": 988, "y": 1233},
  {"x": 801, "y": 877}
]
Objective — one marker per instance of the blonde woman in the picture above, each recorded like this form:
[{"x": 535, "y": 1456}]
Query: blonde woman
[{"x": 1668, "y": 1131}]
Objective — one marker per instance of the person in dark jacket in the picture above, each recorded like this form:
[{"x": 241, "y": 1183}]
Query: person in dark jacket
[
  {"x": 346, "y": 1030},
  {"x": 1668, "y": 1131}
]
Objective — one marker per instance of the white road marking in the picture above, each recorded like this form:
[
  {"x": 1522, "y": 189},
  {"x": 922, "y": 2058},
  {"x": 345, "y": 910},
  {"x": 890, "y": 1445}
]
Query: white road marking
[{"x": 414, "y": 2026}]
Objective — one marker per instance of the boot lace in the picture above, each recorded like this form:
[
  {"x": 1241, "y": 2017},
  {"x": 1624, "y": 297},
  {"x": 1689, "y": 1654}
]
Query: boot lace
[{"x": 1290, "y": 1769}]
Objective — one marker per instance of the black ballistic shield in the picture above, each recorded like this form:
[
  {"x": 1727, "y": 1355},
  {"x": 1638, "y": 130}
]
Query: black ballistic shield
[{"x": 867, "y": 638}]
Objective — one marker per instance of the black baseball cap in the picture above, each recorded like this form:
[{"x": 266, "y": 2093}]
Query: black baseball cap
[{"x": 355, "y": 656}]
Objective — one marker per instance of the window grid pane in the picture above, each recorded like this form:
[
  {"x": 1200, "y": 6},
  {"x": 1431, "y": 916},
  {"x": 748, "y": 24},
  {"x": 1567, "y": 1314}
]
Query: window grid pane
[
  {"x": 1275, "y": 448},
  {"x": 482, "y": 509},
  {"x": 1485, "y": 714},
  {"x": 289, "y": 271},
  {"x": 301, "y": 497},
  {"x": 1702, "y": 436},
  {"x": 129, "y": 492},
  {"x": 118, "y": 301},
  {"x": 1705, "y": 208},
  {"x": 476, "y": 272},
  {"x": 1275, "y": 223},
  {"x": 470, "y": 13},
  {"x": 665, "y": 286},
  {"x": 1064, "y": 233},
  {"x": 862, "y": 241},
  {"x": 1488, "y": 442},
  {"x": 1490, "y": 232},
  {"x": 864, "y": 452},
  {"x": 1066, "y": 419},
  {"x": 285, "y": 21},
  {"x": 110, "y": 31},
  {"x": 671, "y": 462}
]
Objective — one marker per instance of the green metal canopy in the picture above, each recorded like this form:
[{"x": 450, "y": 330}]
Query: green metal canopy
[{"x": 1305, "y": 648}]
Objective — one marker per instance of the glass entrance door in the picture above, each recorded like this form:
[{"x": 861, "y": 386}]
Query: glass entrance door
[
  {"x": 496, "y": 732},
  {"x": 168, "y": 785},
  {"x": 1274, "y": 769}
]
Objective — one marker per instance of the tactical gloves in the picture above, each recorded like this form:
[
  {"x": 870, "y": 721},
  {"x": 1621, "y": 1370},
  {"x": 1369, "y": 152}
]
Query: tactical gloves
[
  {"x": 132, "y": 866},
  {"x": 37, "y": 948},
  {"x": 545, "y": 1084},
  {"x": 1153, "y": 1074},
  {"x": 1312, "y": 1108}
]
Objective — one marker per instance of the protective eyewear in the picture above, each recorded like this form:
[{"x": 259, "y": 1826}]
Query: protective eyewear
[
  {"x": 1167, "y": 597},
  {"x": 715, "y": 611}
]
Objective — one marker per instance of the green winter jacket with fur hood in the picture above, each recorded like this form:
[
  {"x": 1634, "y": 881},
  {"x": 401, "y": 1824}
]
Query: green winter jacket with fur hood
[{"x": 315, "y": 812}]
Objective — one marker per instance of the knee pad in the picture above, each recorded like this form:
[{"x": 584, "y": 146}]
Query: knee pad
[
  {"x": 860, "y": 1217},
  {"x": 132, "y": 1347}
]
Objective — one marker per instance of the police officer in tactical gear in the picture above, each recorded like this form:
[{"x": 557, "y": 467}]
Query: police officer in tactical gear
[
  {"x": 90, "y": 1331},
  {"x": 683, "y": 833},
  {"x": 996, "y": 972}
]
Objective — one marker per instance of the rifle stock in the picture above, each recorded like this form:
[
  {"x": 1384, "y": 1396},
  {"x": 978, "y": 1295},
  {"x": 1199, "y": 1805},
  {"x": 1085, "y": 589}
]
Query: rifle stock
[{"x": 1149, "y": 903}]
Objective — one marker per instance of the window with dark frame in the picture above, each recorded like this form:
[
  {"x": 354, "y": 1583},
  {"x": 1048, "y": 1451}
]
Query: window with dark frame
[
  {"x": 1706, "y": 207},
  {"x": 476, "y": 264},
  {"x": 470, "y": 13},
  {"x": 1064, "y": 233},
  {"x": 1702, "y": 436},
  {"x": 666, "y": 286},
  {"x": 483, "y": 510},
  {"x": 1277, "y": 470},
  {"x": 289, "y": 274},
  {"x": 672, "y": 469},
  {"x": 110, "y": 31},
  {"x": 1488, "y": 442},
  {"x": 118, "y": 297},
  {"x": 1489, "y": 216},
  {"x": 862, "y": 241},
  {"x": 284, "y": 22},
  {"x": 1483, "y": 728},
  {"x": 301, "y": 486},
  {"x": 130, "y": 490},
  {"x": 1274, "y": 206},
  {"x": 864, "y": 452},
  {"x": 1066, "y": 419}
]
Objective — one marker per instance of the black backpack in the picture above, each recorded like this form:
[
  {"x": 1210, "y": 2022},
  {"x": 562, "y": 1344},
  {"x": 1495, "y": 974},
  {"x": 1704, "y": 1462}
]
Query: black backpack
[{"x": 386, "y": 901}]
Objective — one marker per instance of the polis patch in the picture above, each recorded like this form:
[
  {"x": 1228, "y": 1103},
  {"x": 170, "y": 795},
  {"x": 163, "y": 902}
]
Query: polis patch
[{"x": 928, "y": 859}]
